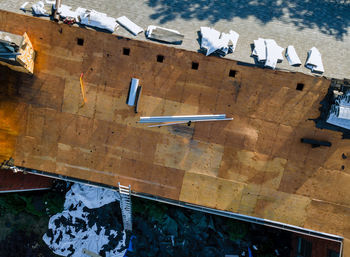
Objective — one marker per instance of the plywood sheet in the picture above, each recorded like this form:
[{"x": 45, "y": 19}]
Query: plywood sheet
[{"x": 254, "y": 165}]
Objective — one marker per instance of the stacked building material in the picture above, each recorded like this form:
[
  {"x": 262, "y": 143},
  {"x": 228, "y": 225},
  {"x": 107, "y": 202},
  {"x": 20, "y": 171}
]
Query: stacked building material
[
  {"x": 214, "y": 41},
  {"x": 314, "y": 60},
  {"x": 267, "y": 51}
]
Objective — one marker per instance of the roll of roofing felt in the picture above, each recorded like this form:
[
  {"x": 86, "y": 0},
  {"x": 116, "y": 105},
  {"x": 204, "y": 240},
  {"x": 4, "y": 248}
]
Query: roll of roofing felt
[{"x": 132, "y": 93}]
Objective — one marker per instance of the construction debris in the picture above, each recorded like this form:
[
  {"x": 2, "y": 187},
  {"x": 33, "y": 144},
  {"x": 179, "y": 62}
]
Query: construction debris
[
  {"x": 129, "y": 25},
  {"x": 17, "y": 52},
  {"x": 96, "y": 19},
  {"x": 41, "y": 9},
  {"x": 75, "y": 229},
  {"x": 132, "y": 91},
  {"x": 65, "y": 12},
  {"x": 339, "y": 113},
  {"x": 214, "y": 41},
  {"x": 267, "y": 50},
  {"x": 164, "y": 35},
  {"x": 314, "y": 60},
  {"x": 138, "y": 95},
  {"x": 292, "y": 56}
]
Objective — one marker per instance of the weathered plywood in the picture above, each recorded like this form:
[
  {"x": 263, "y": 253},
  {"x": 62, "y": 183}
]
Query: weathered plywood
[{"x": 254, "y": 165}]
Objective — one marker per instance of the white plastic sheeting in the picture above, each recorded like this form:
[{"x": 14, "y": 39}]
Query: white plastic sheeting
[
  {"x": 129, "y": 25},
  {"x": 96, "y": 19},
  {"x": 292, "y": 56},
  {"x": 91, "y": 197},
  {"x": 268, "y": 51},
  {"x": 70, "y": 232},
  {"x": 212, "y": 40},
  {"x": 314, "y": 60}
]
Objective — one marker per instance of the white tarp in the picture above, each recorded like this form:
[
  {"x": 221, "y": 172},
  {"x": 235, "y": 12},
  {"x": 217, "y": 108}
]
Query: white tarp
[
  {"x": 292, "y": 56},
  {"x": 129, "y": 25},
  {"x": 314, "y": 60},
  {"x": 212, "y": 40},
  {"x": 96, "y": 19},
  {"x": 69, "y": 231},
  {"x": 91, "y": 197}
]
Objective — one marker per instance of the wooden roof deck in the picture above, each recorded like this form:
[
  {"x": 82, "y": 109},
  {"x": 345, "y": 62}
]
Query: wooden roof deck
[{"x": 253, "y": 165}]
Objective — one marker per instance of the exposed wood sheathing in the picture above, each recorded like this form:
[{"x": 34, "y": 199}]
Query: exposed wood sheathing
[{"x": 252, "y": 165}]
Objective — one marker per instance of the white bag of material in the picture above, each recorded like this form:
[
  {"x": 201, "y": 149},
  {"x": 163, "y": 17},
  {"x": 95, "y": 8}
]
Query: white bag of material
[
  {"x": 260, "y": 49},
  {"x": 163, "y": 34},
  {"x": 273, "y": 53},
  {"x": 99, "y": 20},
  {"x": 38, "y": 9},
  {"x": 314, "y": 60},
  {"x": 292, "y": 56},
  {"x": 129, "y": 25},
  {"x": 65, "y": 11},
  {"x": 213, "y": 40}
]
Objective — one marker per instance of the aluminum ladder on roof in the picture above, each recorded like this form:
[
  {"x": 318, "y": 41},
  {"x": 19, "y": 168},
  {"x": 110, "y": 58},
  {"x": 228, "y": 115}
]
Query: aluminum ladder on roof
[{"x": 126, "y": 206}]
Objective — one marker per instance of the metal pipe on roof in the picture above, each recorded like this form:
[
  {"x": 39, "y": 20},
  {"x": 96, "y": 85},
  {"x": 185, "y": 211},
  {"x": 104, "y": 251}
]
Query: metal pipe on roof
[
  {"x": 156, "y": 119},
  {"x": 184, "y": 122}
]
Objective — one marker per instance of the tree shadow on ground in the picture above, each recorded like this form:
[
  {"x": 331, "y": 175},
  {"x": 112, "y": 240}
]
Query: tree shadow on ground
[{"x": 331, "y": 17}]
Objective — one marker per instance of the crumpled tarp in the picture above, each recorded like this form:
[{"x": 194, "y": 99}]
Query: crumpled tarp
[
  {"x": 71, "y": 231},
  {"x": 212, "y": 40},
  {"x": 314, "y": 60}
]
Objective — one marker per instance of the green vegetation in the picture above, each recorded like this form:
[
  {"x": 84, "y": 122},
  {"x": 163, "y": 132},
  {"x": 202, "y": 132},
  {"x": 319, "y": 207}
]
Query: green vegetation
[
  {"x": 34, "y": 203},
  {"x": 236, "y": 230}
]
